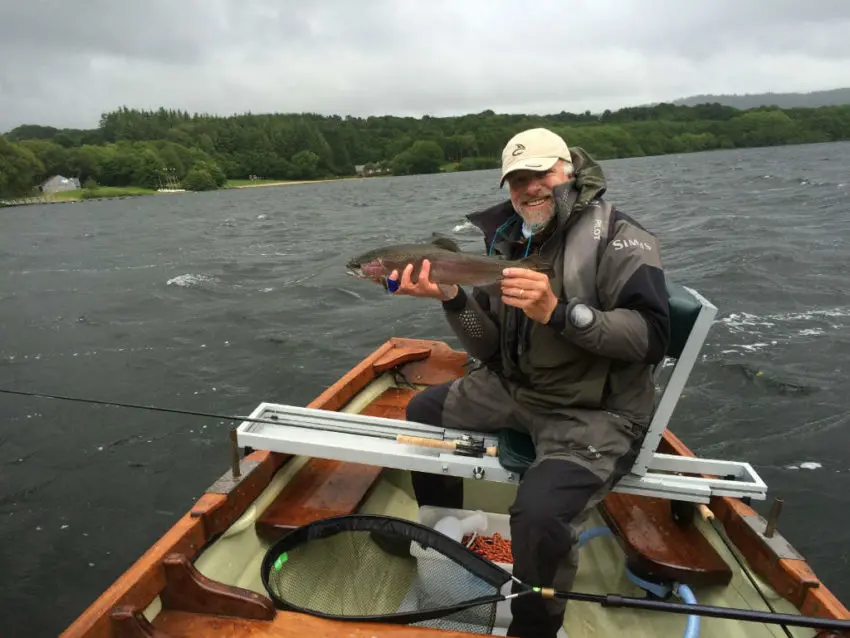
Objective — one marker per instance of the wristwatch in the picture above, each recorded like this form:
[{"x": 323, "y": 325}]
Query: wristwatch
[{"x": 581, "y": 316}]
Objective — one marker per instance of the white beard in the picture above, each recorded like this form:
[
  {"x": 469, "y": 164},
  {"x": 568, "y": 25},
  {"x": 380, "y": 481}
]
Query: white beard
[{"x": 537, "y": 218}]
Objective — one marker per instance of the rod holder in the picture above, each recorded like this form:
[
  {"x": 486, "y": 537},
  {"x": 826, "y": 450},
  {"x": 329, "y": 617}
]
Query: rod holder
[
  {"x": 772, "y": 517},
  {"x": 235, "y": 469}
]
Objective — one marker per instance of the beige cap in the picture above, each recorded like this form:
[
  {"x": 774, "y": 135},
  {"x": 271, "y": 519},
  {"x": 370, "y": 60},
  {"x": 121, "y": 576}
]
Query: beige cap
[{"x": 535, "y": 149}]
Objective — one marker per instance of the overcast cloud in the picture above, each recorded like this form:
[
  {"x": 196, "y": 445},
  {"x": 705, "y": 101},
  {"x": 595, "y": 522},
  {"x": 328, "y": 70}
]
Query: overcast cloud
[{"x": 65, "y": 63}]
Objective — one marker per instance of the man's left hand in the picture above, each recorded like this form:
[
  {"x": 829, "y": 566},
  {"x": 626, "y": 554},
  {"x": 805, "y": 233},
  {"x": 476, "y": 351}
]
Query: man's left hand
[{"x": 529, "y": 290}]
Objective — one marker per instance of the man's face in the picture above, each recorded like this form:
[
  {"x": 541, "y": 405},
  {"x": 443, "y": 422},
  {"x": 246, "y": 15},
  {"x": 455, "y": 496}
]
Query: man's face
[{"x": 531, "y": 192}]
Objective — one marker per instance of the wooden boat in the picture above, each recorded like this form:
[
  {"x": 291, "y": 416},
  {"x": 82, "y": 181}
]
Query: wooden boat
[{"x": 202, "y": 578}]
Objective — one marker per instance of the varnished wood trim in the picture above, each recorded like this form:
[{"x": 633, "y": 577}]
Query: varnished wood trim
[
  {"x": 187, "y": 589},
  {"x": 219, "y": 518},
  {"x": 141, "y": 583},
  {"x": 207, "y": 503},
  {"x": 398, "y": 356},
  {"x": 822, "y": 602},
  {"x": 288, "y": 625},
  {"x": 128, "y": 622},
  {"x": 340, "y": 392},
  {"x": 144, "y": 580},
  {"x": 793, "y": 579}
]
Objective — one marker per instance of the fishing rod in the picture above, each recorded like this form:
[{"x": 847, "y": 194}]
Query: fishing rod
[
  {"x": 465, "y": 445},
  {"x": 709, "y": 517},
  {"x": 690, "y": 609},
  {"x": 137, "y": 406}
]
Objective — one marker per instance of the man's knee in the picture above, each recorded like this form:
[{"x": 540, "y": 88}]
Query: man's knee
[
  {"x": 427, "y": 406},
  {"x": 550, "y": 498},
  {"x": 555, "y": 489}
]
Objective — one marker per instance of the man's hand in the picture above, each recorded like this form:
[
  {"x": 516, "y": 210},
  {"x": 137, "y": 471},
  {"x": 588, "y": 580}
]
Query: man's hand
[
  {"x": 529, "y": 290},
  {"x": 423, "y": 287}
]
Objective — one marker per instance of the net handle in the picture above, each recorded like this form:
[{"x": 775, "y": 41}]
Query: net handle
[{"x": 696, "y": 609}]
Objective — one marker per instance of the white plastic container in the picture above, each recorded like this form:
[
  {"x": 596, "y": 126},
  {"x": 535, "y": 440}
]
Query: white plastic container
[
  {"x": 493, "y": 523},
  {"x": 432, "y": 516},
  {"x": 458, "y": 526},
  {"x": 437, "y": 573}
]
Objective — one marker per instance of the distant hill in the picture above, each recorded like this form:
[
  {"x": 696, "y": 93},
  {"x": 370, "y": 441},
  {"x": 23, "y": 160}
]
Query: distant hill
[{"x": 833, "y": 97}]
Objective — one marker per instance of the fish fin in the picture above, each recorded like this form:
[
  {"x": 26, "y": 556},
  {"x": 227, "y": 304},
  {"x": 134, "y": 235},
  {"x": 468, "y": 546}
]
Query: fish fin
[
  {"x": 446, "y": 243},
  {"x": 536, "y": 262}
]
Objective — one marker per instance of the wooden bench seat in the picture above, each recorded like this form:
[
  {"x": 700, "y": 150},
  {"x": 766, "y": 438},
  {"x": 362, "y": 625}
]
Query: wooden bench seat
[
  {"x": 659, "y": 548},
  {"x": 175, "y": 624},
  {"x": 325, "y": 488}
]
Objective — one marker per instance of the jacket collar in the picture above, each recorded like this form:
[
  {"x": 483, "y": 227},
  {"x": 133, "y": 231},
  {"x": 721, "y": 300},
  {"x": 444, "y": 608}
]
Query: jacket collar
[{"x": 570, "y": 198}]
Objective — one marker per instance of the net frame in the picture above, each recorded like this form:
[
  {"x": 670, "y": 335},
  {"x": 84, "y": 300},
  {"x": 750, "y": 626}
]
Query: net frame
[{"x": 426, "y": 537}]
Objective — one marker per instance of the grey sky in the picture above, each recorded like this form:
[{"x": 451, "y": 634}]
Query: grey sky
[{"x": 64, "y": 63}]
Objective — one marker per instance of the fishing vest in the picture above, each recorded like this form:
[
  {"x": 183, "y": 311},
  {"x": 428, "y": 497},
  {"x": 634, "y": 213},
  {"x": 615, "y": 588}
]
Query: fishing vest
[
  {"x": 547, "y": 369},
  {"x": 584, "y": 244}
]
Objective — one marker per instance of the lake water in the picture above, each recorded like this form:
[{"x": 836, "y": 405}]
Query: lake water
[{"x": 218, "y": 301}]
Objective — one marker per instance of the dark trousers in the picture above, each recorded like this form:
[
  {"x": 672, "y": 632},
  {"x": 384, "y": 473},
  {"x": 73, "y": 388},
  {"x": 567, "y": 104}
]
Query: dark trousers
[{"x": 552, "y": 500}]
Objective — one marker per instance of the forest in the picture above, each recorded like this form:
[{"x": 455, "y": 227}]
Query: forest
[{"x": 164, "y": 147}]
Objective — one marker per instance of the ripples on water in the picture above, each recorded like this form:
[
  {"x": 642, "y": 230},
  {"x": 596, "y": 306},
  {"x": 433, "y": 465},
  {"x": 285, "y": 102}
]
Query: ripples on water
[{"x": 218, "y": 301}]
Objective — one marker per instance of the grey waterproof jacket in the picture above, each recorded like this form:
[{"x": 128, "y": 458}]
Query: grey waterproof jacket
[{"x": 601, "y": 258}]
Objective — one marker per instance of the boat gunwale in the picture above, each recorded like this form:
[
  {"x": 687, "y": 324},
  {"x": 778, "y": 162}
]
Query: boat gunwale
[{"x": 213, "y": 513}]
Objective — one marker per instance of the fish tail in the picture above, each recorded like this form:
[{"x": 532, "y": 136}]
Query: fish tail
[{"x": 536, "y": 262}]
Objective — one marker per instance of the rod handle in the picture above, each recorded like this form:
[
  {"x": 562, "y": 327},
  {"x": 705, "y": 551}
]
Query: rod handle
[
  {"x": 438, "y": 443},
  {"x": 425, "y": 442}
]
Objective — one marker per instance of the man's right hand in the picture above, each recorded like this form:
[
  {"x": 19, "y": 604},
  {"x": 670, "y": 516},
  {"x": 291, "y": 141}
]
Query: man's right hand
[{"x": 423, "y": 287}]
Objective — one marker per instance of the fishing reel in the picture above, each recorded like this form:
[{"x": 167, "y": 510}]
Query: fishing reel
[{"x": 470, "y": 446}]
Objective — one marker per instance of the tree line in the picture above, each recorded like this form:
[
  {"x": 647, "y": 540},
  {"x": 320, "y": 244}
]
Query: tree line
[{"x": 201, "y": 151}]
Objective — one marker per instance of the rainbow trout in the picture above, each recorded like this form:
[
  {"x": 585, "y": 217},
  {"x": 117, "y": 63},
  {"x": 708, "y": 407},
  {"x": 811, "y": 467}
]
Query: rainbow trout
[{"x": 449, "y": 265}]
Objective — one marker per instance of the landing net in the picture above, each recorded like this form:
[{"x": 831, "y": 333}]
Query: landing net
[{"x": 379, "y": 569}]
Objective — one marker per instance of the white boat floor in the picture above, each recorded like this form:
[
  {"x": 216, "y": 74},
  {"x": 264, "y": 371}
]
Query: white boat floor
[{"x": 236, "y": 556}]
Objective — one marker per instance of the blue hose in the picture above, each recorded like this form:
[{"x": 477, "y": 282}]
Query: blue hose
[
  {"x": 692, "y": 628},
  {"x": 593, "y": 532},
  {"x": 684, "y": 592}
]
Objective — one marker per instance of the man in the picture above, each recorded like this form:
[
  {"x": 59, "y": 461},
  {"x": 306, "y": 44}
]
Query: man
[{"x": 567, "y": 360}]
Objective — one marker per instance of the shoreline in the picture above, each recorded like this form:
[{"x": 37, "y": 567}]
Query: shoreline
[
  {"x": 63, "y": 198},
  {"x": 305, "y": 181},
  {"x": 293, "y": 183}
]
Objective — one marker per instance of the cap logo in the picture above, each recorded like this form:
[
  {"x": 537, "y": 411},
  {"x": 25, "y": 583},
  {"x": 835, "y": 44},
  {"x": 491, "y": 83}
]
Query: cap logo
[{"x": 519, "y": 150}]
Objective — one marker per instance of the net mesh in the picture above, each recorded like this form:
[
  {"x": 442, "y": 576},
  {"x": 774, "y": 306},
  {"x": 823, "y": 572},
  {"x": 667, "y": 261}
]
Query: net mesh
[{"x": 374, "y": 568}]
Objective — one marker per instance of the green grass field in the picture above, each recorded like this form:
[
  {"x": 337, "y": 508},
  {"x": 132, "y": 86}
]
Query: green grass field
[
  {"x": 235, "y": 183},
  {"x": 101, "y": 191}
]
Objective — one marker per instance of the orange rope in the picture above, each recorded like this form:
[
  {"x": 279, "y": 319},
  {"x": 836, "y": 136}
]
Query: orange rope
[{"x": 494, "y": 548}]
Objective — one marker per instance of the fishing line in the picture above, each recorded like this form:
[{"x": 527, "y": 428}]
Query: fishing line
[
  {"x": 709, "y": 517},
  {"x": 136, "y": 406}
]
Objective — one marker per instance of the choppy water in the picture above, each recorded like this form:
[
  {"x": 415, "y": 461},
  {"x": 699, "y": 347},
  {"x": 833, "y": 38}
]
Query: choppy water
[{"x": 218, "y": 301}]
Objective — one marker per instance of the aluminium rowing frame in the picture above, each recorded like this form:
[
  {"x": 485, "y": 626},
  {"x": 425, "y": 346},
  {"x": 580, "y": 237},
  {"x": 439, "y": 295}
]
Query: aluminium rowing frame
[{"x": 356, "y": 438}]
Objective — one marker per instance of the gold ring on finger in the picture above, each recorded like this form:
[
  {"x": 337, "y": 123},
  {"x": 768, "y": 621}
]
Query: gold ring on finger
[{"x": 521, "y": 292}]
